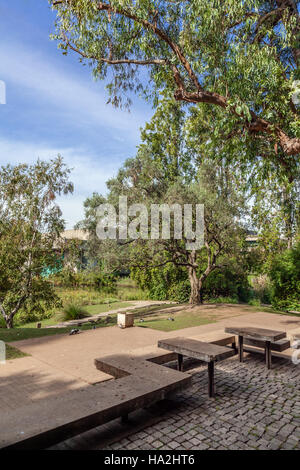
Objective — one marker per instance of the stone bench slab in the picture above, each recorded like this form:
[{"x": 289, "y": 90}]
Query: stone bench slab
[
  {"x": 47, "y": 422},
  {"x": 279, "y": 346},
  {"x": 201, "y": 350},
  {"x": 256, "y": 333}
]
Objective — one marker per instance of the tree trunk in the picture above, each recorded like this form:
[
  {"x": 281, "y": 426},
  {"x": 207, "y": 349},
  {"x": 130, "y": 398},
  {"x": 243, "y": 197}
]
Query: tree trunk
[
  {"x": 9, "y": 322},
  {"x": 195, "y": 297}
]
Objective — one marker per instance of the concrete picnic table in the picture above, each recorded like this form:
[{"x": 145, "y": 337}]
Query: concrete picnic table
[
  {"x": 266, "y": 336},
  {"x": 200, "y": 350}
]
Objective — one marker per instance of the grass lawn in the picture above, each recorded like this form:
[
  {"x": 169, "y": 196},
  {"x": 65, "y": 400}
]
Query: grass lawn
[
  {"x": 181, "y": 320},
  {"x": 90, "y": 309},
  {"x": 13, "y": 353},
  {"x": 102, "y": 308},
  {"x": 19, "y": 334}
]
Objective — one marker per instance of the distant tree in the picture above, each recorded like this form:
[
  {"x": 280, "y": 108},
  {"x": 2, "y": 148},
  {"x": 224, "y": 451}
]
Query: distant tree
[
  {"x": 164, "y": 172},
  {"x": 238, "y": 58},
  {"x": 30, "y": 224}
]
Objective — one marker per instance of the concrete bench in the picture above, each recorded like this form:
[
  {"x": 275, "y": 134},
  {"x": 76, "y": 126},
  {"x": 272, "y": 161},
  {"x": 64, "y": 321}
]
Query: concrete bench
[
  {"x": 199, "y": 350},
  {"x": 279, "y": 346},
  {"x": 159, "y": 356},
  {"x": 250, "y": 333},
  {"x": 139, "y": 384}
]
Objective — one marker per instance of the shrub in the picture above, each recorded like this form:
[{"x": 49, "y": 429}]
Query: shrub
[
  {"x": 180, "y": 292},
  {"x": 74, "y": 312},
  {"x": 255, "y": 302},
  {"x": 105, "y": 283},
  {"x": 171, "y": 283},
  {"x": 2, "y": 322},
  {"x": 230, "y": 282},
  {"x": 285, "y": 278},
  {"x": 262, "y": 289}
]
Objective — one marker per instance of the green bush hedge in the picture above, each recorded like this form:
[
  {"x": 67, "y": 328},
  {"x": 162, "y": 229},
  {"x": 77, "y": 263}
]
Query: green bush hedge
[
  {"x": 74, "y": 312},
  {"x": 171, "y": 283},
  {"x": 106, "y": 283},
  {"x": 285, "y": 279}
]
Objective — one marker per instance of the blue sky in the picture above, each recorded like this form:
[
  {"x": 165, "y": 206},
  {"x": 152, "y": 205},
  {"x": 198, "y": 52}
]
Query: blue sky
[{"x": 53, "y": 106}]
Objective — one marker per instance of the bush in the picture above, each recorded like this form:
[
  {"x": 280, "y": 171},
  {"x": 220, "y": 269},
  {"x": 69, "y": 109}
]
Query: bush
[
  {"x": 39, "y": 307},
  {"x": 262, "y": 289},
  {"x": 180, "y": 292},
  {"x": 105, "y": 283},
  {"x": 230, "y": 282},
  {"x": 285, "y": 279},
  {"x": 74, "y": 312},
  {"x": 255, "y": 302},
  {"x": 171, "y": 283}
]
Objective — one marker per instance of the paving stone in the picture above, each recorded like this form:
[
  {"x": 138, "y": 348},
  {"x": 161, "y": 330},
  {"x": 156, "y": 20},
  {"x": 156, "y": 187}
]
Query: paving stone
[{"x": 254, "y": 409}]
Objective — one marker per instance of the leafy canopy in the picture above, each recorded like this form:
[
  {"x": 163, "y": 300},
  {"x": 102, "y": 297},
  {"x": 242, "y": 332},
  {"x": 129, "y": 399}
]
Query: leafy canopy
[
  {"x": 241, "y": 57},
  {"x": 30, "y": 223}
]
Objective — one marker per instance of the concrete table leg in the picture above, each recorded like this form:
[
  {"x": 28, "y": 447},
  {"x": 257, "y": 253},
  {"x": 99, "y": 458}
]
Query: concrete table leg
[
  {"x": 211, "y": 379},
  {"x": 180, "y": 362},
  {"x": 241, "y": 348},
  {"x": 268, "y": 353}
]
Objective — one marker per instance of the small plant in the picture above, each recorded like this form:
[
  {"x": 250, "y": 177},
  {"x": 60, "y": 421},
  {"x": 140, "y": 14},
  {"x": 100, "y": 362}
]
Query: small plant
[
  {"x": 262, "y": 288},
  {"x": 255, "y": 302},
  {"x": 74, "y": 312}
]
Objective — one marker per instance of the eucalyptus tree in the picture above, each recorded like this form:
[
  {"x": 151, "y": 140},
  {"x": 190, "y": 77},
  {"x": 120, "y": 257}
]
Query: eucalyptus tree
[
  {"x": 239, "y": 58},
  {"x": 164, "y": 173},
  {"x": 30, "y": 224}
]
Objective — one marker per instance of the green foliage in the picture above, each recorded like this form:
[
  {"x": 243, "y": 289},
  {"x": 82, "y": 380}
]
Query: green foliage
[
  {"x": 74, "y": 312},
  {"x": 2, "y": 322},
  {"x": 163, "y": 172},
  {"x": 237, "y": 58},
  {"x": 223, "y": 300},
  {"x": 30, "y": 224},
  {"x": 172, "y": 283},
  {"x": 262, "y": 289},
  {"x": 254, "y": 302},
  {"x": 161, "y": 283},
  {"x": 104, "y": 283},
  {"x": 13, "y": 353},
  {"x": 231, "y": 282},
  {"x": 285, "y": 278}
]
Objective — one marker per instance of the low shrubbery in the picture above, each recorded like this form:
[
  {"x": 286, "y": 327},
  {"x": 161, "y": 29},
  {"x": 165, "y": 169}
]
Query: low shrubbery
[
  {"x": 105, "y": 283},
  {"x": 170, "y": 283},
  {"x": 74, "y": 312},
  {"x": 261, "y": 290},
  {"x": 285, "y": 279}
]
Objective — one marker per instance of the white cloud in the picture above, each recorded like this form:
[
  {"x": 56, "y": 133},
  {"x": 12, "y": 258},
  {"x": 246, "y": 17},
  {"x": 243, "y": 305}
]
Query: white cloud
[
  {"x": 80, "y": 101},
  {"x": 88, "y": 175}
]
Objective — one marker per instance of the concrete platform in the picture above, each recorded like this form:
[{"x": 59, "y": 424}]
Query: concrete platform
[
  {"x": 140, "y": 384},
  {"x": 61, "y": 365}
]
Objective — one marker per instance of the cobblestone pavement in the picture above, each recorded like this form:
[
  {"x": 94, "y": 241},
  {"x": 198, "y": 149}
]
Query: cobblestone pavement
[{"x": 254, "y": 408}]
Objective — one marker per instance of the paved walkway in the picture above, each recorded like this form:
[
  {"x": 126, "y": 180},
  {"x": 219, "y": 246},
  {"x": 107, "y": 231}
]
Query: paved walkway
[{"x": 254, "y": 408}]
